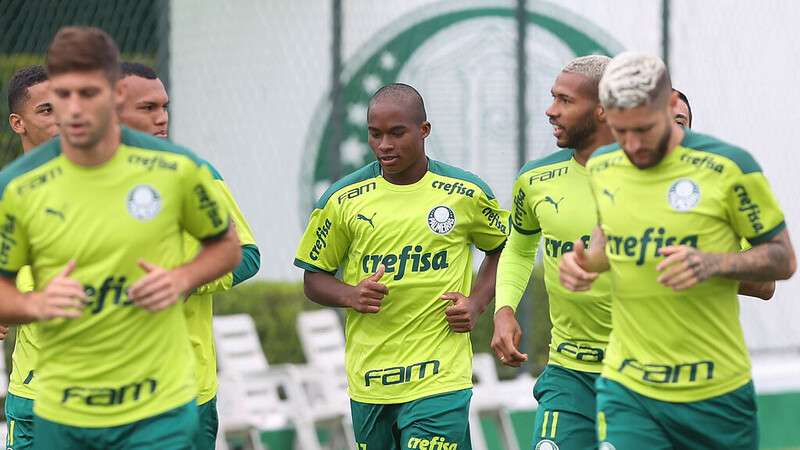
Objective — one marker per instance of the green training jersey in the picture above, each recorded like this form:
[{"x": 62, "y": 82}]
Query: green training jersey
[
  {"x": 687, "y": 345},
  {"x": 423, "y": 234},
  {"x": 552, "y": 199},
  {"x": 199, "y": 309},
  {"x": 117, "y": 363},
  {"x": 23, "y": 360}
]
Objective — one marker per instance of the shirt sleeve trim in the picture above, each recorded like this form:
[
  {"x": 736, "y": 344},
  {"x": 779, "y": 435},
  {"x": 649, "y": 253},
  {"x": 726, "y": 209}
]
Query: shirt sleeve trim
[
  {"x": 768, "y": 235},
  {"x": 310, "y": 267}
]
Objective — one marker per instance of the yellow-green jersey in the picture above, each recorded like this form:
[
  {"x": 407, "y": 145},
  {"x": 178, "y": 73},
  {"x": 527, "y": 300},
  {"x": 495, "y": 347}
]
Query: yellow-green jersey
[
  {"x": 423, "y": 234},
  {"x": 199, "y": 306},
  {"x": 553, "y": 199},
  {"x": 23, "y": 360},
  {"x": 679, "y": 346},
  {"x": 198, "y": 310},
  {"x": 117, "y": 363}
]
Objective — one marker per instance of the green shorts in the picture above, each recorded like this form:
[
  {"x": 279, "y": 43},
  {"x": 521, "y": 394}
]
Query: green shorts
[
  {"x": 566, "y": 412},
  {"x": 436, "y": 422},
  {"x": 629, "y": 421},
  {"x": 206, "y": 438},
  {"x": 19, "y": 416},
  {"x": 172, "y": 430}
]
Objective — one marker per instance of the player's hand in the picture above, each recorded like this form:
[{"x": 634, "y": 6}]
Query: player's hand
[
  {"x": 505, "y": 341},
  {"x": 3, "y": 332},
  {"x": 158, "y": 289},
  {"x": 462, "y": 314},
  {"x": 367, "y": 295},
  {"x": 572, "y": 269},
  {"x": 63, "y": 297},
  {"x": 685, "y": 266}
]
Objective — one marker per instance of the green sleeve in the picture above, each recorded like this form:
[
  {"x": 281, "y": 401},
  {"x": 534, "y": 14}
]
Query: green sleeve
[
  {"x": 251, "y": 262},
  {"x": 514, "y": 269}
]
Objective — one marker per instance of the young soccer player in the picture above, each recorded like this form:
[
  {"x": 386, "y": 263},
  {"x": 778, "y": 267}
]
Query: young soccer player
[
  {"x": 400, "y": 230},
  {"x": 33, "y": 121},
  {"x": 673, "y": 206},
  {"x": 552, "y": 198},
  {"x": 682, "y": 115},
  {"x": 101, "y": 226},
  {"x": 145, "y": 109}
]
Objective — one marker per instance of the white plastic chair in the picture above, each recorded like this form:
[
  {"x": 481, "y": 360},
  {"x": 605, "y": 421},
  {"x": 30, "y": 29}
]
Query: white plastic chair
[
  {"x": 322, "y": 337},
  {"x": 497, "y": 398},
  {"x": 249, "y": 397}
]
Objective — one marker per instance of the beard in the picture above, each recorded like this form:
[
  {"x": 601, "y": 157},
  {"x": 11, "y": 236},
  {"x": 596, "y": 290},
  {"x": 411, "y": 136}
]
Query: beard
[
  {"x": 657, "y": 155},
  {"x": 582, "y": 132}
]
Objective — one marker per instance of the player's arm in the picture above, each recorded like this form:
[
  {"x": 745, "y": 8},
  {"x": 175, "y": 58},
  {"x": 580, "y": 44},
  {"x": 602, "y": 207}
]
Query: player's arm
[
  {"x": 580, "y": 267},
  {"x": 325, "y": 289},
  {"x": 204, "y": 217},
  {"x": 62, "y": 298},
  {"x": 488, "y": 232},
  {"x": 759, "y": 289},
  {"x": 322, "y": 249},
  {"x": 513, "y": 275},
  {"x": 754, "y": 215},
  {"x": 686, "y": 266},
  {"x": 251, "y": 255}
]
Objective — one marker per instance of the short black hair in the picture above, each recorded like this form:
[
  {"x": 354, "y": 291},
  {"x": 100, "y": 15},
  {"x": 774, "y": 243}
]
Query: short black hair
[
  {"x": 137, "y": 69},
  {"x": 20, "y": 82},
  {"x": 685, "y": 99},
  {"x": 401, "y": 91}
]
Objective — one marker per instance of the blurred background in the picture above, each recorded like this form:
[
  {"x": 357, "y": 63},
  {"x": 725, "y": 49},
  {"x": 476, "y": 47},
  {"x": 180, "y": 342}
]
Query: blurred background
[{"x": 274, "y": 94}]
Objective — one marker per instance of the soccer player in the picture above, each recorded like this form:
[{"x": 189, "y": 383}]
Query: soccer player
[
  {"x": 682, "y": 115},
  {"x": 31, "y": 115},
  {"x": 552, "y": 199},
  {"x": 98, "y": 214},
  {"x": 400, "y": 231},
  {"x": 33, "y": 121},
  {"x": 673, "y": 205},
  {"x": 145, "y": 109},
  {"x": 146, "y": 101}
]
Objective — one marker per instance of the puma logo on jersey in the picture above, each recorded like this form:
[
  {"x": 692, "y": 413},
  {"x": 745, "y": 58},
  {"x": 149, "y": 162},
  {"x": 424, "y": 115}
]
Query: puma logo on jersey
[
  {"x": 610, "y": 194},
  {"x": 54, "y": 212},
  {"x": 367, "y": 219},
  {"x": 550, "y": 200}
]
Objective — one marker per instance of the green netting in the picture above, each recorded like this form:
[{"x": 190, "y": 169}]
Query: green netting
[{"x": 27, "y": 27}]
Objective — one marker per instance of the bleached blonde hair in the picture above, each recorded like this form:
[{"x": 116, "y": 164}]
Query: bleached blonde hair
[
  {"x": 633, "y": 79},
  {"x": 591, "y": 67}
]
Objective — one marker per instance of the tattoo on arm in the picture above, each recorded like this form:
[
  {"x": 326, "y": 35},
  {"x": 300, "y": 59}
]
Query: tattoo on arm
[{"x": 772, "y": 260}]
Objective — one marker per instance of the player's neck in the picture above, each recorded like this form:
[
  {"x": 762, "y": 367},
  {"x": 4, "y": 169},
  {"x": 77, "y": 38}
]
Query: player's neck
[
  {"x": 675, "y": 138},
  {"x": 27, "y": 146},
  {"x": 409, "y": 176},
  {"x": 104, "y": 150},
  {"x": 597, "y": 140}
]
